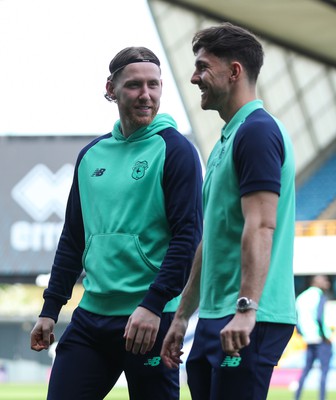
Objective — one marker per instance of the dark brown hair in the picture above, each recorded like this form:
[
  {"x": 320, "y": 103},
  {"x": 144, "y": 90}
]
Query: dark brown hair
[{"x": 231, "y": 42}]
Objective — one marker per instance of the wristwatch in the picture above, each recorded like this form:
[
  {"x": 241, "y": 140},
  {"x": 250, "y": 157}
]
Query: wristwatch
[{"x": 244, "y": 304}]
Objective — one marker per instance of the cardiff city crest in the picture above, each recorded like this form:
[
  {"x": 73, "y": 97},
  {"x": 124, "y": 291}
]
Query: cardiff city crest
[{"x": 139, "y": 169}]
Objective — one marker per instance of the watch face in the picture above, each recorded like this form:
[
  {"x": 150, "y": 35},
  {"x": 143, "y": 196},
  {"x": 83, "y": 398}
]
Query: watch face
[{"x": 243, "y": 303}]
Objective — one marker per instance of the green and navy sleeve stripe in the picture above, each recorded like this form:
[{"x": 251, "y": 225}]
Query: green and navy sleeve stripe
[
  {"x": 182, "y": 186},
  {"x": 67, "y": 266}
]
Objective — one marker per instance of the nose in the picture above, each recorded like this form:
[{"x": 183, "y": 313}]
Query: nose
[
  {"x": 144, "y": 94},
  {"x": 195, "y": 79}
]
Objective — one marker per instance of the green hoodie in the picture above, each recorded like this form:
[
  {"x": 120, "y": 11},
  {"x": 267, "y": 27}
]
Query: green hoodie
[{"x": 128, "y": 215}]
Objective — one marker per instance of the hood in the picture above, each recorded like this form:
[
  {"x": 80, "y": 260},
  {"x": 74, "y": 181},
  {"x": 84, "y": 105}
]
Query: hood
[{"x": 159, "y": 123}]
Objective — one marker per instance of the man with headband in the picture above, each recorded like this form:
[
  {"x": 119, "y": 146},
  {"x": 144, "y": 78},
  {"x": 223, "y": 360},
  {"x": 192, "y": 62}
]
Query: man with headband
[{"x": 133, "y": 222}]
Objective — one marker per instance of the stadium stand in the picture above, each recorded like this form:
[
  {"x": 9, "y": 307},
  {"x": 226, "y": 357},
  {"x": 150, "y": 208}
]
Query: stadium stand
[{"x": 318, "y": 193}]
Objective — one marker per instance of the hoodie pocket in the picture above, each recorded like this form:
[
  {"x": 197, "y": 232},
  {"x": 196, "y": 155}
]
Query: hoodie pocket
[{"x": 116, "y": 263}]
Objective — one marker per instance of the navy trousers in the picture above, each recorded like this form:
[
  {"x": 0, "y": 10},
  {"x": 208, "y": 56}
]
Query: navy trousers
[
  {"x": 213, "y": 375},
  {"x": 91, "y": 356},
  {"x": 321, "y": 352}
]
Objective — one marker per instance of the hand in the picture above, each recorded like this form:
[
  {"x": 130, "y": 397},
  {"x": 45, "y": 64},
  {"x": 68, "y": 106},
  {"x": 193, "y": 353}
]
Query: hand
[
  {"x": 171, "y": 348},
  {"x": 236, "y": 334},
  {"x": 42, "y": 335},
  {"x": 141, "y": 331}
]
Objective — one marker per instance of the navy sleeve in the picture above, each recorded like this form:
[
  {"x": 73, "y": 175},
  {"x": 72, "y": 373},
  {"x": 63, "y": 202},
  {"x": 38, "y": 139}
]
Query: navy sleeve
[
  {"x": 182, "y": 185},
  {"x": 67, "y": 266},
  {"x": 259, "y": 154}
]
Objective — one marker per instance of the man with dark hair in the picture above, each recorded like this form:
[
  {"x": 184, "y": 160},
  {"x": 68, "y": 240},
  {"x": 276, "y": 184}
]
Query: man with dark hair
[
  {"x": 242, "y": 278},
  {"x": 133, "y": 222},
  {"x": 316, "y": 333}
]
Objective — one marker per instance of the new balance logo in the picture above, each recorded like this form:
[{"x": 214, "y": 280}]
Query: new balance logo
[
  {"x": 99, "y": 172},
  {"x": 153, "y": 362},
  {"x": 231, "y": 362}
]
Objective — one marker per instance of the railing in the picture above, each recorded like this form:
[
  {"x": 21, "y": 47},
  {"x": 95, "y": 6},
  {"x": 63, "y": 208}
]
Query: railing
[{"x": 316, "y": 228}]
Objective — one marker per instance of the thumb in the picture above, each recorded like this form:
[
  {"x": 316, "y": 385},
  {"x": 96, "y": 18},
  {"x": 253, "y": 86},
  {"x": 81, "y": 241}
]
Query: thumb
[{"x": 48, "y": 338}]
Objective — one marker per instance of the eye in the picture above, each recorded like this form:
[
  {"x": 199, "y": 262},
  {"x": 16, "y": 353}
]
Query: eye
[
  {"x": 202, "y": 67},
  {"x": 153, "y": 84},
  {"x": 132, "y": 84}
]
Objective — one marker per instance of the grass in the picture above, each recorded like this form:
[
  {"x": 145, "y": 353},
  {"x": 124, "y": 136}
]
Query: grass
[{"x": 13, "y": 391}]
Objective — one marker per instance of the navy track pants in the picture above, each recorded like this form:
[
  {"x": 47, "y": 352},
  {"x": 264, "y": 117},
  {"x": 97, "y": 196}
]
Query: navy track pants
[
  {"x": 91, "y": 356},
  {"x": 213, "y": 375}
]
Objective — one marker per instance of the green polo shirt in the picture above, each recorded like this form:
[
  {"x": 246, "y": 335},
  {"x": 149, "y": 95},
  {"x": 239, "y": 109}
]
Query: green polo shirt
[{"x": 253, "y": 154}]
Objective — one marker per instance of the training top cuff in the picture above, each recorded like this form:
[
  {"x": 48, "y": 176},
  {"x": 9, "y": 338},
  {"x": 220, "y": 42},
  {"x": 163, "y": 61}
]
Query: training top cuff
[{"x": 154, "y": 301}]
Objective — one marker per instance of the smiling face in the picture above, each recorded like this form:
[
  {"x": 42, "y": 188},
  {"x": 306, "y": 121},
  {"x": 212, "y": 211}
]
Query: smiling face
[
  {"x": 137, "y": 90},
  {"x": 212, "y": 75}
]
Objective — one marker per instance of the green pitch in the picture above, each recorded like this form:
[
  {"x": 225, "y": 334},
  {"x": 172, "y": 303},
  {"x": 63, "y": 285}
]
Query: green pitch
[{"x": 10, "y": 391}]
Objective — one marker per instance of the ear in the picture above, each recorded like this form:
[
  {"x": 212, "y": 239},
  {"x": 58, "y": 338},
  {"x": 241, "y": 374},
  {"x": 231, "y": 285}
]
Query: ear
[
  {"x": 110, "y": 90},
  {"x": 236, "y": 69}
]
